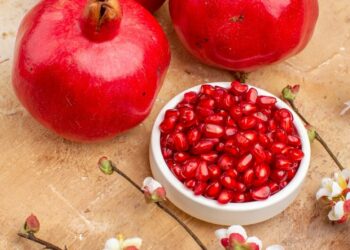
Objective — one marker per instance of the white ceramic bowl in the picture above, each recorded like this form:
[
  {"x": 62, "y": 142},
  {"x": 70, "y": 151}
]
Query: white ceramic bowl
[{"x": 232, "y": 213}]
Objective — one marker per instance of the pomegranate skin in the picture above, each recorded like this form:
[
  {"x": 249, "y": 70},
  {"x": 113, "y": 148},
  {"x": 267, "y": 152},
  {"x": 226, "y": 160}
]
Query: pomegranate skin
[
  {"x": 85, "y": 89},
  {"x": 243, "y": 35},
  {"x": 151, "y": 5}
]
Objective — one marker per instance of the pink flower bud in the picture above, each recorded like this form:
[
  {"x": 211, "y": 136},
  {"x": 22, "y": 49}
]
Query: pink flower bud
[
  {"x": 290, "y": 92},
  {"x": 32, "y": 224}
]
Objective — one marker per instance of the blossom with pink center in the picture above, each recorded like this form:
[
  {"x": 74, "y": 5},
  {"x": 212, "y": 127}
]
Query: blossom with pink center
[
  {"x": 340, "y": 212},
  {"x": 235, "y": 237},
  {"x": 120, "y": 243},
  {"x": 153, "y": 190},
  {"x": 333, "y": 188}
]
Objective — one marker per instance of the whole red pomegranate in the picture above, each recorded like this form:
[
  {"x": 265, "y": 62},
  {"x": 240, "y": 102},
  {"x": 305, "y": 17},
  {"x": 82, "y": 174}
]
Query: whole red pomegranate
[
  {"x": 243, "y": 35},
  {"x": 151, "y": 5},
  {"x": 89, "y": 69}
]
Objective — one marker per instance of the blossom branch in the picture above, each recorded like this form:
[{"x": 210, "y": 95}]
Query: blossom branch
[
  {"x": 47, "y": 245},
  {"x": 289, "y": 94},
  {"x": 5, "y": 60},
  {"x": 108, "y": 167}
]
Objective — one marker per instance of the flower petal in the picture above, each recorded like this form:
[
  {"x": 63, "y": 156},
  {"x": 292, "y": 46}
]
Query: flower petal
[
  {"x": 275, "y": 247},
  {"x": 348, "y": 196},
  {"x": 238, "y": 230},
  {"x": 327, "y": 183},
  {"x": 255, "y": 240},
  {"x": 221, "y": 233},
  {"x": 346, "y": 173},
  {"x": 337, "y": 211},
  {"x": 150, "y": 184},
  {"x": 112, "y": 244},
  {"x": 132, "y": 242},
  {"x": 341, "y": 180},
  {"x": 322, "y": 192},
  {"x": 346, "y": 109},
  {"x": 336, "y": 189}
]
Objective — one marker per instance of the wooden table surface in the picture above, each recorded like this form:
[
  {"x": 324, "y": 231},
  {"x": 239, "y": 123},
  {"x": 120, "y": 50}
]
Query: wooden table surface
[{"x": 78, "y": 206}]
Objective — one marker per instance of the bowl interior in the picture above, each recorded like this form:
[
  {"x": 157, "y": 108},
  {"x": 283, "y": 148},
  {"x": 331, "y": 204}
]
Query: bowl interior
[{"x": 273, "y": 199}]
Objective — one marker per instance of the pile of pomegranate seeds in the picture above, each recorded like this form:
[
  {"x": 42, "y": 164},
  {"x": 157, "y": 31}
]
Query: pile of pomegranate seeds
[{"x": 231, "y": 145}]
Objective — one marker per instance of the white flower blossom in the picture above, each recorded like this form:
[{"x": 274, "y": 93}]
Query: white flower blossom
[
  {"x": 121, "y": 244},
  {"x": 153, "y": 190}
]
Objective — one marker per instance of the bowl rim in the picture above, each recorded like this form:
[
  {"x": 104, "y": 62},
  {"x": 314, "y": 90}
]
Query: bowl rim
[{"x": 246, "y": 206}]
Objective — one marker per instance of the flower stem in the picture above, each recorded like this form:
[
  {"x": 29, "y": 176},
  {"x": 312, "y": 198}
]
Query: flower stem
[
  {"x": 318, "y": 136},
  {"x": 164, "y": 208},
  {"x": 47, "y": 245}
]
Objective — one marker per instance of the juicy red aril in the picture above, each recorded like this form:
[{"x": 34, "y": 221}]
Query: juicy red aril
[
  {"x": 180, "y": 142},
  {"x": 295, "y": 154},
  {"x": 261, "y": 193},
  {"x": 203, "y": 147},
  {"x": 209, "y": 157},
  {"x": 225, "y": 196},
  {"x": 200, "y": 188},
  {"x": 266, "y": 100},
  {"x": 189, "y": 169},
  {"x": 247, "y": 122},
  {"x": 213, "y": 190},
  {"x": 213, "y": 131},
  {"x": 202, "y": 171},
  {"x": 238, "y": 88},
  {"x": 214, "y": 171},
  {"x": 190, "y": 183},
  {"x": 226, "y": 162},
  {"x": 181, "y": 157},
  {"x": 244, "y": 163},
  {"x": 231, "y": 144},
  {"x": 252, "y": 95}
]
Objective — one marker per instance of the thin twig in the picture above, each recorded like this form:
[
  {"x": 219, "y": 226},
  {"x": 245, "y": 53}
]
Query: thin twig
[
  {"x": 318, "y": 136},
  {"x": 161, "y": 206},
  {"x": 47, "y": 245},
  {"x": 5, "y": 60}
]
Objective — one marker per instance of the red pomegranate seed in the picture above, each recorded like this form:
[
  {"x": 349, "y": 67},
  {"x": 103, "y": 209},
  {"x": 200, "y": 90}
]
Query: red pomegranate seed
[
  {"x": 259, "y": 182},
  {"x": 209, "y": 157},
  {"x": 236, "y": 112},
  {"x": 261, "y": 117},
  {"x": 180, "y": 141},
  {"x": 230, "y": 122},
  {"x": 230, "y": 131},
  {"x": 247, "y": 122},
  {"x": 283, "y": 163},
  {"x": 190, "y": 97},
  {"x": 293, "y": 140},
  {"x": 266, "y": 101},
  {"x": 172, "y": 114},
  {"x": 220, "y": 147},
  {"x": 295, "y": 154},
  {"x": 239, "y": 187},
  {"x": 207, "y": 89},
  {"x": 274, "y": 187},
  {"x": 177, "y": 171},
  {"x": 291, "y": 173},
  {"x": 248, "y": 108},
  {"x": 277, "y": 147},
  {"x": 283, "y": 184},
  {"x": 180, "y": 157},
  {"x": 287, "y": 125},
  {"x": 189, "y": 168},
  {"x": 215, "y": 119},
  {"x": 281, "y": 135},
  {"x": 261, "y": 193},
  {"x": 225, "y": 196},
  {"x": 283, "y": 113},
  {"x": 238, "y": 88},
  {"x": 213, "y": 190},
  {"x": 214, "y": 172},
  {"x": 258, "y": 153},
  {"x": 203, "y": 147},
  {"x": 238, "y": 197},
  {"x": 167, "y": 125},
  {"x": 226, "y": 162},
  {"x": 251, "y": 135},
  {"x": 193, "y": 136},
  {"x": 271, "y": 125},
  {"x": 263, "y": 139},
  {"x": 200, "y": 188},
  {"x": 228, "y": 181},
  {"x": 268, "y": 156},
  {"x": 278, "y": 175},
  {"x": 202, "y": 171},
  {"x": 244, "y": 163},
  {"x": 231, "y": 172},
  {"x": 251, "y": 95},
  {"x": 242, "y": 141},
  {"x": 190, "y": 183},
  {"x": 266, "y": 111},
  {"x": 187, "y": 117},
  {"x": 167, "y": 153},
  {"x": 227, "y": 102},
  {"x": 261, "y": 127},
  {"x": 248, "y": 177},
  {"x": 213, "y": 131},
  {"x": 262, "y": 171}
]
